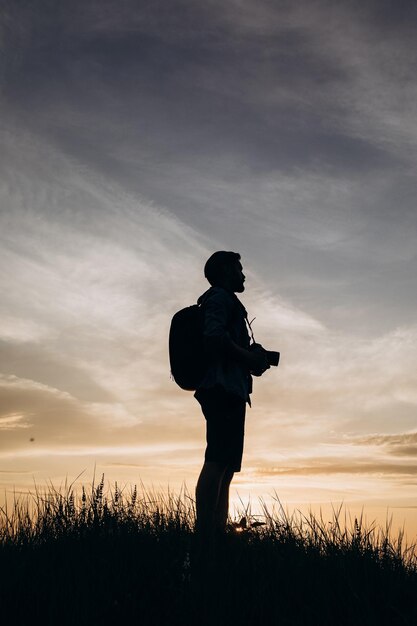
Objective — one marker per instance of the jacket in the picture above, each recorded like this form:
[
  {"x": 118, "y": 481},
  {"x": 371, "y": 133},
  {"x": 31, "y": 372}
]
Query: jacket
[{"x": 224, "y": 321}]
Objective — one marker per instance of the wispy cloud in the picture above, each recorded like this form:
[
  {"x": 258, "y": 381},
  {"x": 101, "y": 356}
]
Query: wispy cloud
[
  {"x": 317, "y": 467},
  {"x": 395, "y": 445}
]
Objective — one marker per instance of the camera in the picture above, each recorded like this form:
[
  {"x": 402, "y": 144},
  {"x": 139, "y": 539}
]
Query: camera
[{"x": 271, "y": 356}]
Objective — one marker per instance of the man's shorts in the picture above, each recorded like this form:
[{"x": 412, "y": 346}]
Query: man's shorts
[{"x": 225, "y": 422}]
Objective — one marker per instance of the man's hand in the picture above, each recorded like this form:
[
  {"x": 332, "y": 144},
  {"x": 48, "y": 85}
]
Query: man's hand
[
  {"x": 258, "y": 360},
  {"x": 255, "y": 359}
]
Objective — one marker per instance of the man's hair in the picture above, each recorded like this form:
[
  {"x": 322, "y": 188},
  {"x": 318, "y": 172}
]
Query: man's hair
[{"x": 216, "y": 264}]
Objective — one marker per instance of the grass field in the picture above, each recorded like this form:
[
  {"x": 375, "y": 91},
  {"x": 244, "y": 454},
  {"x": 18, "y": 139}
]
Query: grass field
[{"x": 117, "y": 558}]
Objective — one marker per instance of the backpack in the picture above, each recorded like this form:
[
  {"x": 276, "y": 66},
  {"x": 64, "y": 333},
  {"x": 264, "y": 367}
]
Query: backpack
[{"x": 186, "y": 349}]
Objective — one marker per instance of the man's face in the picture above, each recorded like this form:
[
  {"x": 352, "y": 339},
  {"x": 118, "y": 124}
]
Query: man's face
[{"x": 236, "y": 277}]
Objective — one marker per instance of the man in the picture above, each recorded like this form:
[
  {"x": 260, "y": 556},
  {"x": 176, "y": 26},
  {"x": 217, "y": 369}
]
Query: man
[{"x": 225, "y": 388}]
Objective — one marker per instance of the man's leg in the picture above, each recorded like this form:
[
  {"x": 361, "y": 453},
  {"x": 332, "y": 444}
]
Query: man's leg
[
  {"x": 208, "y": 490},
  {"x": 225, "y": 416},
  {"x": 222, "y": 509}
]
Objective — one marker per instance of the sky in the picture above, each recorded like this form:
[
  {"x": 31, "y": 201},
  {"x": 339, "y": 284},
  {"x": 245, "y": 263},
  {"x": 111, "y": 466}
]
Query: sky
[{"x": 138, "y": 137}]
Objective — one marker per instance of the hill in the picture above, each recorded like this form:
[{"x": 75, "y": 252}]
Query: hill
[{"x": 102, "y": 558}]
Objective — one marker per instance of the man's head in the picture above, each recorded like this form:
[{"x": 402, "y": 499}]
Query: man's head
[{"x": 224, "y": 269}]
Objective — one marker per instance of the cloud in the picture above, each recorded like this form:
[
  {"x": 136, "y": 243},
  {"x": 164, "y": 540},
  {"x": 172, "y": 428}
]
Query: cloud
[
  {"x": 335, "y": 466},
  {"x": 27, "y": 359},
  {"x": 396, "y": 439},
  {"x": 31, "y": 409},
  {"x": 282, "y": 74},
  {"x": 395, "y": 445},
  {"x": 60, "y": 424},
  {"x": 96, "y": 276},
  {"x": 276, "y": 132}
]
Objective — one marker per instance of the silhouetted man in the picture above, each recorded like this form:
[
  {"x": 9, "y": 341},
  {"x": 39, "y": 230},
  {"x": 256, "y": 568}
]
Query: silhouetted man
[{"x": 225, "y": 388}]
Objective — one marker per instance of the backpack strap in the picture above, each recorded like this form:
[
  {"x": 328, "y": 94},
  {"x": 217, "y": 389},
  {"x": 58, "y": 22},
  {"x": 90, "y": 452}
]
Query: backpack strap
[{"x": 249, "y": 326}]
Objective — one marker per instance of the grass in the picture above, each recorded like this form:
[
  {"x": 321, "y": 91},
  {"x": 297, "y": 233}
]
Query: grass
[{"x": 124, "y": 558}]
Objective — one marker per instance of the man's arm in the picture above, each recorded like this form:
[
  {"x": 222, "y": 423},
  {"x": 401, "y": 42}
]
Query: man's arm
[
  {"x": 217, "y": 341},
  {"x": 253, "y": 361}
]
